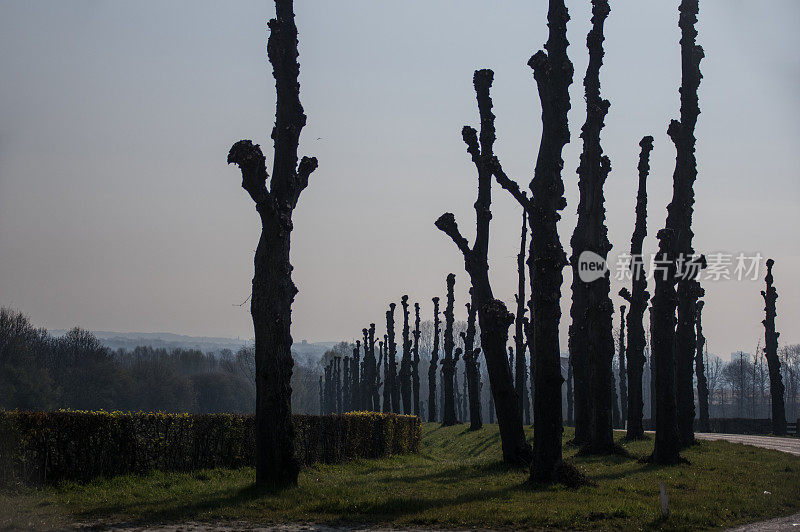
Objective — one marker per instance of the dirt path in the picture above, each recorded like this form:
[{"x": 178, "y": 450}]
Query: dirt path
[{"x": 786, "y": 445}]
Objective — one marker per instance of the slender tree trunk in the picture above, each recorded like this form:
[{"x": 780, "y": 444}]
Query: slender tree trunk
[
  {"x": 346, "y": 385},
  {"x": 387, "y": 387},
  {"x": 493, "y": 316},
  {"x": 415, "y": 364},
  {"x": 702, "y": 381},
  {"x": 471, "y": 368},
  {"x": 273, "y": 289},
  {"x": 434, "y": 366},
  {"x": 321, "y": 397},
  {"x": 394, "y": 388},
  {"x": 405, "y": 361},
  {"x": 638, "y": 298},
  {"x": 615, "y": 414},
  {"x": 623, "y": 382},
  {"x": 671, "y": 347},
  {"x": 776, "y": 388},
  {"x": 520, "y": 367},
  {"x": 449, "y": 361},
  {"x": 355, "y": 381}
]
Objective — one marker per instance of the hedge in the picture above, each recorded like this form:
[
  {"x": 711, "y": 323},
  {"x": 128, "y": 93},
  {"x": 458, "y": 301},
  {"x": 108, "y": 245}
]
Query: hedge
[{"x": 39, "y": 447}]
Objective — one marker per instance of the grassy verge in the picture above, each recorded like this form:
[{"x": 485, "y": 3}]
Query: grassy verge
[{"x": 457, "y": 480}]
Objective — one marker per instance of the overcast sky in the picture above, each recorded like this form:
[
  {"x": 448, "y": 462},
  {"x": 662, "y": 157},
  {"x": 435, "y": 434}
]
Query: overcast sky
[{"x": 118, "y": 212}]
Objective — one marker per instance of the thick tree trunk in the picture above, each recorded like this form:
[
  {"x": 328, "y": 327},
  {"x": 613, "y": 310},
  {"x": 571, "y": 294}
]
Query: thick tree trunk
[
  {"x": 552, "y": 71},
  {"x": 592, "y": 307},
  {"x": 700, "y": 370},
  {"x": 415, "y": 364},
  {"x": 671, "y": 346},
  {"x": 434, "y": 365},
  {"x": 471, "y": 368},
  {"x": 638, "y": 299},
  {"x": 493, "y": 317},
  {"x": 405, "y": 361},
  {"x": 273, "y": 290},
  {"x": 771, "y": 353},
  {"x": 570, "y": 396},
  {"x": 449, "y": 361}
]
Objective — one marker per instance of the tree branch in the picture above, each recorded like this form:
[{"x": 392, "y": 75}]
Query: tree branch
[
  {"x": 509, "y": 184},
  {"x": 447, "y": 224},
  {"x": 248, "y": 157}
]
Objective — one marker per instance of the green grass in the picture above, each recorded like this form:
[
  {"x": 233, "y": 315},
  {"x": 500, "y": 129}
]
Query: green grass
[{"x": 457, "y": 480}]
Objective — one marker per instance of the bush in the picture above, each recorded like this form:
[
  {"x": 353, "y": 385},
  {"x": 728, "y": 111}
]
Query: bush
[{"x": 38, "y": 447}]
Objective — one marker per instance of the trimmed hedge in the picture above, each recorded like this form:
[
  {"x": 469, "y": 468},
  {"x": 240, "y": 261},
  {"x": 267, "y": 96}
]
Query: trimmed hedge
[{"x": 38, "y": 447}]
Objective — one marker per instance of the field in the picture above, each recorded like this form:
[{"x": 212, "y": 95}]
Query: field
[{"x": 457, "y": 480}]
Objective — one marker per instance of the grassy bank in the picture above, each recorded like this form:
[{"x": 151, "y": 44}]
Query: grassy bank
[{"x": 457, "y": 480}]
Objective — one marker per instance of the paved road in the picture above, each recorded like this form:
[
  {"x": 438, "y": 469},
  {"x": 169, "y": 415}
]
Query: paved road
[{"x": 787, "y": 445}]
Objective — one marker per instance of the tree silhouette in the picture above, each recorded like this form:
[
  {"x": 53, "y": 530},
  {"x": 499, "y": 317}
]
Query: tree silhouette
[
  {"x": 520, "y": 367},
  {"x": 771, "y": 353},
  {"x": 637, "y": 298},
  {"x": 623, "y": 381},
  {"x": 390, "y": 346},
  {"x": 676, "y": 240},
  {"x": 552, "y": 71},
  {"x": 434, "y": 365},
  {"x": 493, "y": 316},
  {"x": 415, "y": 364},
  {"x": 700, "y": 372},
  {"x": 450, "y": 359},
  {"x": 273, "y": 290},
  {"x": 472, "y": 368}
]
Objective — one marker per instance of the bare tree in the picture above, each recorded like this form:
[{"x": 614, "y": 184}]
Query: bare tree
[
  {"x": 450, "y": 359},
  {"x": 700, "y": 371},
  {"x": 771, "y": 352},
  {"x": 637, "y": 298},
  {"x": 552, "y": 71},
  {"x": 676, "y": 240},
  {"x": 493, "y": 316},
  {"x": 273, "y": 290},
  {"x": 520, "y": 367},
  {"x": 472, "y": 369},
  {"x": 623, "y": 383},
  {"x": 405, "y": 361},
  {"x": 415, "y": 364},
  {"x": 390, "y": 346},
  {"x": 434, "y": 365}
]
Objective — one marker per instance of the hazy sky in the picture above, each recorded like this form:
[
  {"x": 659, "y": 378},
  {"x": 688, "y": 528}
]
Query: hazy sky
[{"x": 118, "y": 212}]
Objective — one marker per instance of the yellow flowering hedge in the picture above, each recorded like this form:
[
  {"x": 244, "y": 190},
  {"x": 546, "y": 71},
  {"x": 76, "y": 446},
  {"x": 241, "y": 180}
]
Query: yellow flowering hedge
[{"x": 70, "y": 445}]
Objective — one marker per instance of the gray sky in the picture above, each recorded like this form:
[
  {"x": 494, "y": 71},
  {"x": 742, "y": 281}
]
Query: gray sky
[{"x": 118, "y": 212}]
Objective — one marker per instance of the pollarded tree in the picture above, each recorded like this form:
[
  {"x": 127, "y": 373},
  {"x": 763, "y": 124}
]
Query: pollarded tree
[
  {"x": 700, "y": 372},
  {"x": 493, "y": 316},
  {"x": 355, "y": 380},
  {"x": 387, "y": 387},
  {"x": 405, "y": 361},
  {"x": 434, "y": 365},
  {"x": 346, "y": 397},
  {"x": 471, "y": 369},
  {"x": 623, "y": 381},
  {"x": 273, "y": 290},
  {"x": 520, "y": 367},
  {"x": 771, "y": 353},
  {"x": 637, "y": 298},
  {"x": 390, "y": 347},
  {"x": 675, "y": 241},
  {"x": 415, "y": 364},
  {"x": 591, "y": 337},
  {"x": 450, "y": 359},
  {"x": 552, "y": 71}
]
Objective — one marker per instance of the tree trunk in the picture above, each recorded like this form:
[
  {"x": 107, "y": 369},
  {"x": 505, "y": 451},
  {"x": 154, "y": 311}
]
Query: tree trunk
[
  {"x": 638, "y": 299},
  {"x": 591, "y": 306},
  {"x": 391, "y": 347},
  {"x": 387, "y": 387},
  {"x": 552, "y": 71},
  {"x": 671, "y": 346},
  {"x": 415, "y": 364},
  {"x": 702, "y": 382},
  {"x": 471, "y": 368},
  {"x": 434, "y": 365},
  {"x": 355, "y": 380},
  {"x": 493, "y": 317},
  {"x": 449, "y": 361},
  {"x": 273, "y": 289},
  {"x": 623, "y": 382},
  {"x": 405, "y": 361},
  {"x": 771, "y": 353},
  {"x": 520, "y": 367},
  {"x": 570, "y": 397}
]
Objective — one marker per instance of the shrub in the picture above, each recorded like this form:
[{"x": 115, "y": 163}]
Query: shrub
[{"x": 38, "y": 447}]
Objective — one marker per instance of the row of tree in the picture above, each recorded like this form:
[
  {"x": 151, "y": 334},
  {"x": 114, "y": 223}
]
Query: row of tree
[{"x": 675, "y": 312}]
